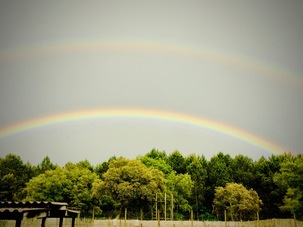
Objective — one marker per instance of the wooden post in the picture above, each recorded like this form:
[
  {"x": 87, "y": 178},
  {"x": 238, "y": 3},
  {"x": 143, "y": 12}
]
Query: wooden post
[
  {"x": 141, "y": 214},
  {"x": 18, "y": 222},
  {"x": 61, "y": 222},
  {"x": 93, "y": 213},
  {"x": 73, "y": 222},
  {"x": 172, "y": 208},
  {"x": 125, "y": 216},
  {"x": 225, "y": 218},
  {"x": 158, "y": 218},
  {"x": 192, "y": 218},
  {"x": 289, "y": 222},
  {"x": 156, "y": 206},
  {"x": 43, "y": 222},
  {"x": 258, "y": 224},
  {"x": 165, "y": 206}
]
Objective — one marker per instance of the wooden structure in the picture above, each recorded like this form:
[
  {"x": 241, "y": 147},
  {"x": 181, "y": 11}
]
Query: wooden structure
[{"x": 42, "y": 210}]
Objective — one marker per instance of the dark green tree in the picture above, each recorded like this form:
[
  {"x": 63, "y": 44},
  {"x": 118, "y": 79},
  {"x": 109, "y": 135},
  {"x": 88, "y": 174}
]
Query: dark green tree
[
  {"x": 196, "y": 167},
  {"x": 290, "y": 178},
  {"x": 219, "y": 171},
  {"x": 13, "y": 176},
  {"x": 243, "y": 170},
  {"x": 270, "y": 193},
  {"x": 45, "y": 165},
  {"x": 177, "y": 162}
]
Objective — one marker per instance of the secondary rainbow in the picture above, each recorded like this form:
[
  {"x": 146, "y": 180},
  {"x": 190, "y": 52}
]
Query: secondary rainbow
[
  {"x": 152, "y": 47},
  {"x": 145, "y": 114}
]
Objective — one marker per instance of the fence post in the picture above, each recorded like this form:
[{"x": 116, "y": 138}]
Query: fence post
[
  {"x": 158, "y": 218},
  {"x": 172, "y": 208},
  {"x": 125, "y": 216},
  {"x": 141, "y": 214},
  {"x": 156, "y": 206},
  {"x": 165, "y": 206},
  {"x": 225, "y": 218},
  {"x": 192, "y": 218}
]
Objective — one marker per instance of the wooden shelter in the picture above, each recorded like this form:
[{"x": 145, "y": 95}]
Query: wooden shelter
[{"x": 42, "y": 210}]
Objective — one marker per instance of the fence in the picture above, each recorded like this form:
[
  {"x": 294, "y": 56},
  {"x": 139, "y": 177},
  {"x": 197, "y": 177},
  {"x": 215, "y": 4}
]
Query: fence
[{"x": 136, "y": 223}]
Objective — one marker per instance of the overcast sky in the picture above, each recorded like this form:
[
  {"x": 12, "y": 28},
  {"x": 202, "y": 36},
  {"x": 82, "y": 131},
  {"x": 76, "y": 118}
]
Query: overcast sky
[{"x": 234, "y": 62}]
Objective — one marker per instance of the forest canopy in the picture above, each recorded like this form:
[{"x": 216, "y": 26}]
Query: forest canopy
[{"x": 176, "y": 185}]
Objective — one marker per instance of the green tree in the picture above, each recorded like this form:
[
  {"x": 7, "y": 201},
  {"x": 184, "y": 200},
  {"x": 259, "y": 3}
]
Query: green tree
[
  {"x": 103, "y": 167},
  {"x": 270, "y": 193},
  {"x": 180, "y": 185},
  {"x": 243, "y": 170},
  {"x": 196, "y": 167},
  {"x": 86, "y": 165},
  {"x": 293, "y": 202},
  {"x": 159, "y": 164},
  {"x": 155, "y": 154},
  {"x": 290, "y": 179},
  {"x": 238, "y": 202},
  {"x": 128, "y": 183},
  {"x": 71, "y": 184},
  {"x": 45, "y": 165},
  {"x": 219, "y": 171},
  {"x": 177, "y": 162},
  {"x": 13, "y": 176}
]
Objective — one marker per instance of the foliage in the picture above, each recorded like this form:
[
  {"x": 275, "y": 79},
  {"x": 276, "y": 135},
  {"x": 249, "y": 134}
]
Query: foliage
[
  {"x": 239, "y": 203},
  {"x": 128, "y": 183},
  {"x": 14, "y": 174},
  {"x": 192, "y": 180},
  {"x": 155, "y": 154},
  {"x": 103, "y": 167},
  {"x": 292, "y": 201},
  {"x": 177, "y": 162},
  {"x": 85, "y": 165},
  {"x": 220, "y": 170},
  {"x": 71, "y": 184},
  {"x": 219, "y": 173},
  {"x": 270, "y": 193},
  {"x": 159, "y": 164},
  {"x": 45, "y": 165},
  {"x": 290, "y": 178},
  {"x": 180, "y": 185},
  {"x": 243, "y": 171},
  {"x": 196, "y": 167}
]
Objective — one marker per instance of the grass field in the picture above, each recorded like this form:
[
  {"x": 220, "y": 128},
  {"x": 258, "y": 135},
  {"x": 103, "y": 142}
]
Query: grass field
[{"x": 136, "y": 223}]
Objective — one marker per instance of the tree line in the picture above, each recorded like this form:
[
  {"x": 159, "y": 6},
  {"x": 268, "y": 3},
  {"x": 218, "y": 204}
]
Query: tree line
[{"x": 175, "y": 186}]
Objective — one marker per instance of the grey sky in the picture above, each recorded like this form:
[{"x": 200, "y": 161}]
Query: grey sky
[{"x": 237, "y": 62}]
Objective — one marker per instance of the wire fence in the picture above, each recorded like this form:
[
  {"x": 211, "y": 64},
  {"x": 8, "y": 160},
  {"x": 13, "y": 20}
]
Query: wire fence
[{"x": 52, "y": 222}]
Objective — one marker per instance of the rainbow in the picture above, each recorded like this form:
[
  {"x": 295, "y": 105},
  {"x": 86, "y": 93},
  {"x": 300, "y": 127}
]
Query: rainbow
[
  {"x": 148, "y": 114},
  {"x": 152, "y": 47}
]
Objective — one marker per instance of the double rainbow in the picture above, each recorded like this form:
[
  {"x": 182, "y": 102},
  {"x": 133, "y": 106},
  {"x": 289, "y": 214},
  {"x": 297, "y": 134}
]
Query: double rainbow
[{"x": 141, "y": 46}]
